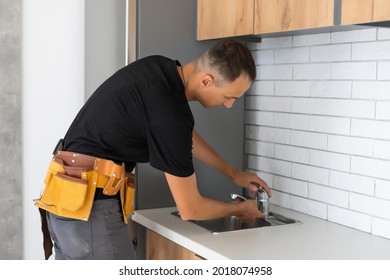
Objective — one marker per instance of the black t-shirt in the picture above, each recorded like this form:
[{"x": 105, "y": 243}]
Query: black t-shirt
[{"x": 139, "y": 114}]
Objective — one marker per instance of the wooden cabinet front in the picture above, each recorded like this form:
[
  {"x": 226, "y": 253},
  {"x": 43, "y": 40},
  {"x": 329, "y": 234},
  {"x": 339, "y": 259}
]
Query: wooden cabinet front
[
  {"x": 288, "y": 15},
  {"x": 364, "y": 11},
  {"x": 161, "y": 248},
  {"x": 224, "y": 18}
]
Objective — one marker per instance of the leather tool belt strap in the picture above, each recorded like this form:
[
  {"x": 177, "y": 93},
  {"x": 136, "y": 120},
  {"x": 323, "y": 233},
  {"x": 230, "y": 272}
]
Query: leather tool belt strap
[{"x": 71, "y": 182}]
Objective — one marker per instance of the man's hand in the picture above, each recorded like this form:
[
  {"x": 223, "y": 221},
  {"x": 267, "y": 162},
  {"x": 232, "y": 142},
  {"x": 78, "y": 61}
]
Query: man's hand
[
  {"x": 249, "y": 211},
  {"x": 250, "y": 181}
]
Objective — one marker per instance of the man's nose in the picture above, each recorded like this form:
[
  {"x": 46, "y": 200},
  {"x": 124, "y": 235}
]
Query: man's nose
[{"x": 228, "y": 104}]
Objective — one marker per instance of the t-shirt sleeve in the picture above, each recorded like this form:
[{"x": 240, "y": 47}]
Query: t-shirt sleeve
[{"x": 170, "y": 148}]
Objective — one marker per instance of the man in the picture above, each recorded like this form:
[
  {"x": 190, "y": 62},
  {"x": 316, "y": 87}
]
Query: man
[{"x": 141, "y": 114}]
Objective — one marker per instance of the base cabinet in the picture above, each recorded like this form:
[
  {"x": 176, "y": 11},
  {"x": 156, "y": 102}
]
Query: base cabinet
[{"x": 161, "y": 248}]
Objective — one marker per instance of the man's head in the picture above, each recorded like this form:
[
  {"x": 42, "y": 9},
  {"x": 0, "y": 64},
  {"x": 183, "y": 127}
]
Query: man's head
[{"x": 223, "y": 74}]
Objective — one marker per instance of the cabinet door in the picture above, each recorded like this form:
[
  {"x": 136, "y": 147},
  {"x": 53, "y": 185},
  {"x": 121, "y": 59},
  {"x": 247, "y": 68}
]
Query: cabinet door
[
  {"x": 224, "y": 18},
  {"x": 364, "y": 11},
  {"x": 161, "y": 248},
  {"x": 288, "y": 15}
]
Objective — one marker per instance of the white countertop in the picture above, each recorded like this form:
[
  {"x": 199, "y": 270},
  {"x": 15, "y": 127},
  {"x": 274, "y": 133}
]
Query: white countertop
[{"x": 313, "y": 239}]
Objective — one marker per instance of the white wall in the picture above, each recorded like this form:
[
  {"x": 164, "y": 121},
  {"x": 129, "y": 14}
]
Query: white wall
[
  {"x": 318, "y": 125},
  {"x": 53, "y": 92}
]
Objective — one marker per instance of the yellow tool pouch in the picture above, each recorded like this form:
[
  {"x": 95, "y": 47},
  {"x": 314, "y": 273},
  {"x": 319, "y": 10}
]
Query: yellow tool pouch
[
  {"x": 71, "y": 182},
  {"x": 66, "y": 196}
]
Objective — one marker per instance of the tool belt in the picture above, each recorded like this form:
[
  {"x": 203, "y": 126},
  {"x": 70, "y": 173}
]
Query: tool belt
[{"x": 71, "y": 182}]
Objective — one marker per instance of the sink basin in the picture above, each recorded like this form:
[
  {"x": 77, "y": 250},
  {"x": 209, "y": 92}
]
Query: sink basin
[{"x": 233, "y": 223}]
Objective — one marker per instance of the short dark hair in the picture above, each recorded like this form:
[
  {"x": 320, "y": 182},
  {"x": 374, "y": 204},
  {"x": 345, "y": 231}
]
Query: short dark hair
[{"x": 231, "y": 58}]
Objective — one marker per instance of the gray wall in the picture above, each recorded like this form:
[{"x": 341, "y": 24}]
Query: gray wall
[
  {"x": 11, "y": 246},
  {"x": 105, "y": 41}
]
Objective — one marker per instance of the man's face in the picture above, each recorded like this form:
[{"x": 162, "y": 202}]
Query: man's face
[{"x": 212, "y": 96}]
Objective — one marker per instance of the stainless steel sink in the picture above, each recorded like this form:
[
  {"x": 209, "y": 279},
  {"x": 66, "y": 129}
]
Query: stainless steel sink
[{"x": 233, "y": 223}]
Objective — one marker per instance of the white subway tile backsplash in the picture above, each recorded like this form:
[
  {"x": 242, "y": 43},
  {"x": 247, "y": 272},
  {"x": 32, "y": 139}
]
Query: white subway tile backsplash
[
  {"x": 381, "y": 227},
  {"x": 307, "y": 206},
  {"x": 292, "y": 88},
  {"x": 275, "y": 135},
  {"x": 376, "y": 90},
  {"x": 334, "y": 107},
  {"x": 259, "y": 118},
  {"x": 262, "y": 88},
  {"x": 331, "y": 89},
  {"x": 259, "y": 148},
  {"x": 382, "y": 189},
  {"x": 311, "y": 39},
  {"x": 383, "y": 110},
  {"x": 318, "y": 125},
  {"x": 378, "y": 50},
  {"x": 270, "y": 165},
  {"x": 352, "y": 182},
  {"x": 371, "y": 129},
  {"x": 291, "y": 153},
  {"x": 349, "y": 218},
  {"x": 351, "y": 145},
  {"x": 328, "y": 195},
  {"x": 280, "y": 198},
  {"x": 270, "y": 103},
  {"x": 288, "y": 185},
  {"x": 310, "y": 173},
  {"x": 370, "y": 205},
  {"x": 330, "y": 160},
  {"x": 384, "y": 70},
  {"x": 382, "y": 149},
  {"x": 264, "y": 57},
  {"x": 330, "y": 53},
  {"x": 383, "y": 33},
  {"x": 276, "y": 43},
  {"x": 308, "y": 139},
  {"x": 294, "y": 121},
  {"x": 360, "y": 35},
  {"x": 330, "y": 125},
  {"x": 370, "y": 167},
  {"x": 292, "y": 55},
  {"x": 275, "y": 72},
  {"x": 318, "y": 71},
  {"x": 354, "y": 71}
]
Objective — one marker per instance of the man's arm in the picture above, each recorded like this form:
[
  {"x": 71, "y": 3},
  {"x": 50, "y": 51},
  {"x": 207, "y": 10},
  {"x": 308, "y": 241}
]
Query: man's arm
[
  {"x": 202, "y": 151},
  {"x": 193, "y": 206}
]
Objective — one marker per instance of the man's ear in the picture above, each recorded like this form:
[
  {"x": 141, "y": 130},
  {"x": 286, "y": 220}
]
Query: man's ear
[{"x": 207, "y": 80}]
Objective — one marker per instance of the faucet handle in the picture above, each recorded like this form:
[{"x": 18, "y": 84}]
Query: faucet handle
[{"x": 237, "y": 196}]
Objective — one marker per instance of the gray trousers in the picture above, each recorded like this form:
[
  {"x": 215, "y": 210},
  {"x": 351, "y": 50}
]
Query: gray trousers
[{"x": 104, "y": 237}]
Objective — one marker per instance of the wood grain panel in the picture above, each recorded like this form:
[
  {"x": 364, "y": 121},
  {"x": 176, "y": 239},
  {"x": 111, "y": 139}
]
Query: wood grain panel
[
  {"x": 161, "y": 248},
  {"x": 364, "y": 11},
  {"x": 356, "y": 11},
  {"x": 288, "y": 15},
  {"x": 224, "y": 18}
]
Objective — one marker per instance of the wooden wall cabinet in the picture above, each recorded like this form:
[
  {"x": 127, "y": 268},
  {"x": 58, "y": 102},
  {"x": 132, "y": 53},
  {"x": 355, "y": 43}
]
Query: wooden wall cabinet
[
  {"x": 224, "y": 18},
  {"x": 288, "y": 15},
  {"x": 161, "y": 248},
  {"x": 364, "y": 11}
]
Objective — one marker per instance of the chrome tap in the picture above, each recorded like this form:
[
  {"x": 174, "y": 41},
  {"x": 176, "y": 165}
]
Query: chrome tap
[{"x": 263, "y": 201}]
